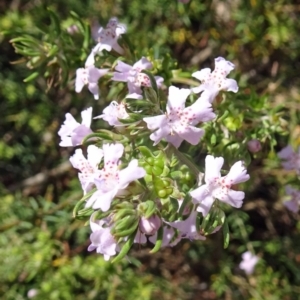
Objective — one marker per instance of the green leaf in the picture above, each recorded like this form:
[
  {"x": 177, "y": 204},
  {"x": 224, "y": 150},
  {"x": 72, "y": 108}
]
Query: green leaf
[
  {"x": 126, "y": 247},
  {"x": 226, "y": 234},
  {"x": 186, "y": 200},
  {"x": 151, "y": 95},
  {"x": 145, "y": 151},
  {"x": 31, "y": 77},
  {"x": 81, "y": 201},
  {"x": 103, "y": 135},
  {"x": 159, "y": 239},
  {"x": 55, "y": 22}
]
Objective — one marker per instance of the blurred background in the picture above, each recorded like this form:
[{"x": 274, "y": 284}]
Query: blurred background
[{"x": 43, "y": 250}]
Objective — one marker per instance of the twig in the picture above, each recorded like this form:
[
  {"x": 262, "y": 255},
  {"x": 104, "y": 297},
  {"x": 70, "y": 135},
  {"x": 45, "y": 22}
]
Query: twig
[{"x": 41, "y": 177}]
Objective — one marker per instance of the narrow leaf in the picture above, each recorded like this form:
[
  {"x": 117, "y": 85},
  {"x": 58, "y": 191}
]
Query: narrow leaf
[
  {"x": 126, "y": 247},
  {"x": 226, "y": 234},
  {"x": 159, "y": 240}
]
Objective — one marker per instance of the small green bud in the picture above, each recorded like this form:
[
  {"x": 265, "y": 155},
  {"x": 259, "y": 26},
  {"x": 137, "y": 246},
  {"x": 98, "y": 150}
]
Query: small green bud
[
  {"x": 188, "y": 177},
  {"x": 158, "y": 184},
  {"x": 169, "y": 191},
  {"x": 166, "y": 183},
  {"x": 148, "y": 169},
  {"x": 150, "y": 161},
  {"x": 162, "y": 194},
  {"x": 157, "y": 170}
]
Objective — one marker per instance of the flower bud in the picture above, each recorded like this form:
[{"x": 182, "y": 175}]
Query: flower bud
[
  {"x": 151, "y": 225},
  {"x": 73, "y": 29},
  {"x": 254, "y": 146}
]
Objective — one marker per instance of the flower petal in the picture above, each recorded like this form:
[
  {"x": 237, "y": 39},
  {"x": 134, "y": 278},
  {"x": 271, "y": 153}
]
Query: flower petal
[
  {"x": 155, "y": 122},
  {"x": 86, "y": 116},
  {"x": 192, "y": 134},
  {"x": 237, "y": 174},
  {"x": 234, "y": 198},
  {"x": 142, "y": 64},
  {"x": 80, "y": 79},
  {"x": 177, "y": 98},
  {"x": 213, "y": 166},
  {"x": 112, "y": 152},
  {"x": 131, "y": 173}
]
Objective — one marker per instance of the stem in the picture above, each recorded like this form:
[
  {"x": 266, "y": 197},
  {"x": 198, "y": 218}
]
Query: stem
[
  {"x": 245, "y": 235},
  {"x": 170, "y": 149}
]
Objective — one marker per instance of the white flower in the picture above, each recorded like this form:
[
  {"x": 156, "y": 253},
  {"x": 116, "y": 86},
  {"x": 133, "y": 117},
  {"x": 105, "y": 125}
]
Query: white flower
[
  {"x": 32, "y": 293},
  {"x": 168, "y": 237},
  {"x": 107, "y": 39},
  {"x": 291, "y": 158},
  {"x": 218, "y": 187},
  {"x": 71, "y": 132},
  {"x": 178, "y": 123},
  {"x": 248, "y": 262},
  {"x": 134, "y": 78},
  {"x": 293, "y": 204},
  {"x": 88, "y": 167},
  {"x": 113, "y": 112},
  {"x": 213, "y": 82},
  {"x": 112, "y": 181},
  {"x": 89, "y": 76},
  {"x": 187, "y": 228},
  {"x": 102, "y": 240},
  {"x": 140, "y": 237}
]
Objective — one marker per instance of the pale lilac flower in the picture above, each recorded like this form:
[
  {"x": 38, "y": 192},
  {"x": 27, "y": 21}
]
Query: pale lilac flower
[
  {"x": 168, "y": 239},
  {"x": 32, "y": 293},
  {"x": 149, "y": 226},
  {"x": 140, "y": 237},
  {"x": 248, "y": 262},
  {"x": 113, "y": 112},
  {"x": 89, "y": 76},
  {"x": 291, "y": 158},
  {"x": 178, "y": 123},
  {"x": 134, "y": 96},
  {"x": 293, "y": 204},
  {"x": 254, "y": 146},
  {"x": 112, "y": 181},
  {"x": 218, "y": 187},
  {"x": 187, "y": 228},
  {"x": 134, "y": 78},
  {"x": 71, "y": 132},
  {"x": 107, "y": 39},
  {"x": 213, "y": 82},
  {"x": 102, "y": 240},
  {"x": 88, "y": 167}
]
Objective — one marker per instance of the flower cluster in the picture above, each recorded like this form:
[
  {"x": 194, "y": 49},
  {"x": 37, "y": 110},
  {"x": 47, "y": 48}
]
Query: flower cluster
[
  {"x": 291, "y": 161},
  {"x": 136, "y": 183}
]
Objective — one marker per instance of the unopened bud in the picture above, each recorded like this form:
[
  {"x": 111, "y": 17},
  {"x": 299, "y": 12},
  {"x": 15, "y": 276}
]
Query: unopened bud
[
  {"x": 151, "y": 225},
  {"x": 73, "y": 29},
  {"x": 254, "y": 146}
]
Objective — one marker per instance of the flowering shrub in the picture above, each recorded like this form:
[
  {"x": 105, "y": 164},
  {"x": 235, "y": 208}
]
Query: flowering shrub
[
  {"x": 139, "y": 191},
  {"x": 182, "y": 137}
]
